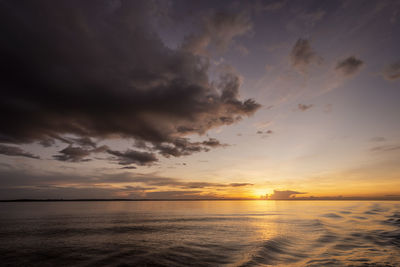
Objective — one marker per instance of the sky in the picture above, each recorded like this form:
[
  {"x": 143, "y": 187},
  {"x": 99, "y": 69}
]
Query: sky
[{"x": 199, "y": 99}]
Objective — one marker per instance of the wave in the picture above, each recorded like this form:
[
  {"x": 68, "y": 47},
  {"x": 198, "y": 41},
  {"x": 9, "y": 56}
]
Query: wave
[{"x": 345, "y": 235}]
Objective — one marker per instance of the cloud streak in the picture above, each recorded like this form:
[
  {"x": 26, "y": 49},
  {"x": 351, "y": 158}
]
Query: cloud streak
[
  {"x": 385, "y": 148},
  {"x": 285, "y": 194},
  {"x": 79, "y": 154},
  {"x": 105, "y": 185},
  {"x": 133, "y": 157},
  {"x": 16, "y": 152}
]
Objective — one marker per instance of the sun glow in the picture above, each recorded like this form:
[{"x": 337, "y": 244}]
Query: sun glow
[{"x": 262, "y": 192}]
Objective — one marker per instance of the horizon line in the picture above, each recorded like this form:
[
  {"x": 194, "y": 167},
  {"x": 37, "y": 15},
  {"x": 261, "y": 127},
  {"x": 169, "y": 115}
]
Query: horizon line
[{"x": 397, "y": 198}]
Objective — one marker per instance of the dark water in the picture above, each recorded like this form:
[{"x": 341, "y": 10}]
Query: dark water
[{"x": 200, "y": 233}]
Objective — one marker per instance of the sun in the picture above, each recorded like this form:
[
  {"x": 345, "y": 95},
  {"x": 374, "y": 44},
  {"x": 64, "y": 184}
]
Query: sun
[{"x": 262, "y": 192}]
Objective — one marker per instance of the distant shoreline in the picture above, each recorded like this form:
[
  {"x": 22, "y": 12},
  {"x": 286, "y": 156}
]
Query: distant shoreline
[{"x": 224, "y": 199}]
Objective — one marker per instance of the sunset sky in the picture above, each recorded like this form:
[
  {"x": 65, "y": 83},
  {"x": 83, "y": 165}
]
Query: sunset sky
[{"x": 199, "y": 99}]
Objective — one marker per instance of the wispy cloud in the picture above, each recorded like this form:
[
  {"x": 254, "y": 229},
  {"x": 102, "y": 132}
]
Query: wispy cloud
[
  {"x": 304, "y": 107},
  {"x": 133, "y": 157},
  {"x": 385, "y": 148},
  {"x": 16, "y": 152},
  {"x": 109, "y": 184},
  {"x": 392, "y": 71},
  {"x": 218, "y": 29},
  {"x": 377, "y": 139},
  {"x": 79, "y": 154},
  {"x": 349, "y": 66},
  {"x": 302, "y": 55},
  {"x": 284, "y": 194}
]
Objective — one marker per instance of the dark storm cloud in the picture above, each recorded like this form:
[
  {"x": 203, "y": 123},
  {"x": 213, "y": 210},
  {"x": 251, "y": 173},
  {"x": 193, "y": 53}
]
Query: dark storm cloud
[
  {"x": 392, "y": 71},
  {"x": 349, "y": 66},
  {"x": 95, "y": 70},
  {"x": 15, "y": 151},
  {"x": 302, "y": 55},
  {"x": 304, "y": 107},
  {"x": 286, "y": 194}
]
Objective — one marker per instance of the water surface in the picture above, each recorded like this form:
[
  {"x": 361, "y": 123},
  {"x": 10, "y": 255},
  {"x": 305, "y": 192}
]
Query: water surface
[{"x": 200, "y": 233}]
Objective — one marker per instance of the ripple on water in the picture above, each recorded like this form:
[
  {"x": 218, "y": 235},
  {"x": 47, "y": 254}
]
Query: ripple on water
[{"x": 365, "y": 235}]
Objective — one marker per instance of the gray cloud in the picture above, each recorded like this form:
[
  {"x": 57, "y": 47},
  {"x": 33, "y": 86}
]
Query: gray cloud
[
  {"x": 312, "y": 17},
  {"x": 392, "y": 71},
  {"x": 16, "y": 151},
  {"x": 377, "y": 139},
  {"x": 304, "y": 18},
  {"x": 165, "y": 181},
  {"x": 50, "y": 184},
  {"x": 21, "y": 178},
  {"x": 270, "y": 5},
  {"x": 240, "y": 184},
  {"x": 212, "y": 142},
  {"x": 304, "y": 107},
  {"x": 54, "y": 192},
  {"x": 73, "y": 154},
  {"x": 286, "y": 194},
  {"x": 302, "y": 55},
  {"x": 349, "y": 66},
  {"x": 385, "y": 148},
  {"x": 265, "y": 132},
  {"x": 180, "y": 194},
  {"x": 218, "y": 29},
  {"x": 86, "y": 70},
  {"x": 183, "y": 147},
  {"x": 47, "y": 142},
  {"x": 133, "y": 157},
  {"x": 129, "y": 167},
  {"x": 85, "y": 142},
  {"x": 70, "y": 192},
  {"x": 78, "y": 154}
]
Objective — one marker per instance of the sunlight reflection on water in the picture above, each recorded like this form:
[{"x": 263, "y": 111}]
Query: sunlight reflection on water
[{"x": 200, "y": 233}]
